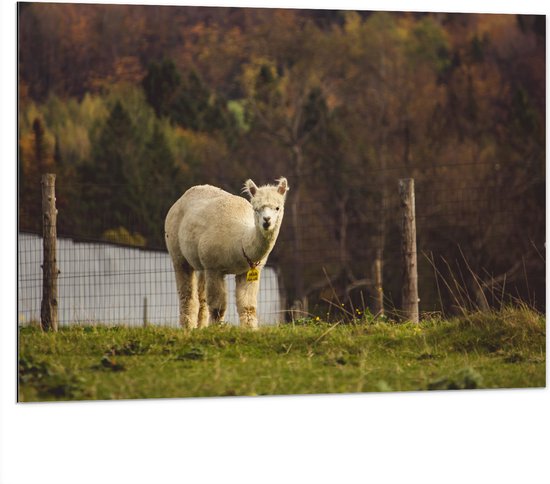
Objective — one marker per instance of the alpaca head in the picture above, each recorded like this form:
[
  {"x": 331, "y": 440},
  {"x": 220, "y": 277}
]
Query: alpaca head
[{"x": 268, "y": 203}]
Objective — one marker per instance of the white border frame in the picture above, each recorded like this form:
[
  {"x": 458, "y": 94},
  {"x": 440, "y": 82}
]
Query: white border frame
[{"x": 443, "y": 437}]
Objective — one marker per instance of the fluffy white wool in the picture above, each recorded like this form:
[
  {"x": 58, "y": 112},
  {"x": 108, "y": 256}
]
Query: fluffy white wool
[{"x": 210, "y": 233}]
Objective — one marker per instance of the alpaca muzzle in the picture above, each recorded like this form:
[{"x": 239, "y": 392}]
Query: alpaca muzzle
[{"x": 267, "y": 222}]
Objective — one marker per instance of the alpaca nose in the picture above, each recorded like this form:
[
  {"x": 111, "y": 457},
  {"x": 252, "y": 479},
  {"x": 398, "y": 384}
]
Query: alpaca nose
[{"x": 267, "y": 219}]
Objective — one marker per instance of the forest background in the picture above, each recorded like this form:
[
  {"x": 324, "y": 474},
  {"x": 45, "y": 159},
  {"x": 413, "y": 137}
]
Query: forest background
[{"x": 131, "y": 105}]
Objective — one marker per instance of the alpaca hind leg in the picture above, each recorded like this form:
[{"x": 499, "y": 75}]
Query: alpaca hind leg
[
  {"x": 187, "y": 294},
  {"x": 246, "y": 295},
  {"x": 216, "y": 295},
  {"x": 203, "y": 306}
]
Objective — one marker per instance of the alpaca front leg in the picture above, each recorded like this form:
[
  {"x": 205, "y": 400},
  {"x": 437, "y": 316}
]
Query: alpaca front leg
[
  {"x": 247, "y": 296},
  {"x": 203, "y": 306},
  {"x": 216, "y": 295},
  {"x": 187, "y": 294}
]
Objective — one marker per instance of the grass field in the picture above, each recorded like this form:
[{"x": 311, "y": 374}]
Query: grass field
[{"x": 506, "y": 349}]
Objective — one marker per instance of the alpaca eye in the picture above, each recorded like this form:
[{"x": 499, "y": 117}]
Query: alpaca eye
[{"x": 277, "y": 209}]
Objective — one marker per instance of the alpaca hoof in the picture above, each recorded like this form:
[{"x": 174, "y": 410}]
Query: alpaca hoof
[
  {"x": 249, "y": 323},
  {"x": 216, "y": 315},
  {"x": 248, "y": 318},
  {"x": 188, "y": 323}
]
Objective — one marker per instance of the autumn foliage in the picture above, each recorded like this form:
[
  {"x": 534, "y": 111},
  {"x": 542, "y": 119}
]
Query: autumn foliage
[{"x": 131, "y": 105}]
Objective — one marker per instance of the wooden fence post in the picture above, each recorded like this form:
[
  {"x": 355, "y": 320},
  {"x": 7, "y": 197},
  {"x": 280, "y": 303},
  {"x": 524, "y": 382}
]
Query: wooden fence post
[
  {"x": 145, "y": 323},
  {"x": 48, "y": 310},
  {"x": 378, "y": 287},
  {"x": 408, "y": 250}
]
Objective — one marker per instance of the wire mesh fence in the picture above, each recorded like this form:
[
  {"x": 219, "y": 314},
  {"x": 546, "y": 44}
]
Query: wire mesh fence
[
  {"x": 101, "y": 283},
  {"x": 480, "y": 245}
]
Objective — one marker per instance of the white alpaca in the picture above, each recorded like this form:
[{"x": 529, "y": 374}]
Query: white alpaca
[{"x": 210, "y": 233}]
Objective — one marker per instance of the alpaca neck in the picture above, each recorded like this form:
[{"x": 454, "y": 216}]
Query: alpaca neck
[{"x": 257, "y": 244}]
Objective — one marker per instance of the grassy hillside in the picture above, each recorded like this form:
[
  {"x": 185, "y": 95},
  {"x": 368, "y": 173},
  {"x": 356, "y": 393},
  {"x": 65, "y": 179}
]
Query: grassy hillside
[{"x": 485, "y": 350}]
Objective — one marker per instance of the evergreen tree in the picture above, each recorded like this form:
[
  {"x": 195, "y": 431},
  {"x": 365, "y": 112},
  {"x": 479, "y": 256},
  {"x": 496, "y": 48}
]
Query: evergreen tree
[
  {"x": 155, "y": 187},
  {"x": 187, "y": 101},
  {"x": 161, "y": 86},
  {"x": 192, "y": 106},
  {"x": 57, "y": 152},
  {"x": 39, "y": 144},
  {"x": 106, "y": 179}
]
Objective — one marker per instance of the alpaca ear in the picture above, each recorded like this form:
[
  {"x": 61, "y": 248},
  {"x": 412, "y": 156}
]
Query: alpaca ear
[
  {"x": 250, "y": 188},
  {"x": 282, "y": 188}
]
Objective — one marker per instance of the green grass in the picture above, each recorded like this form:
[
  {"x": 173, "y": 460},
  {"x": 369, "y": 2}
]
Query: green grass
[{"x": 485, "y": 350}]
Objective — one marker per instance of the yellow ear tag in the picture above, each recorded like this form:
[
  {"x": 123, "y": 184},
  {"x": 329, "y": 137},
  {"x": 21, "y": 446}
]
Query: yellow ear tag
[{"x": 252, "y": 275}]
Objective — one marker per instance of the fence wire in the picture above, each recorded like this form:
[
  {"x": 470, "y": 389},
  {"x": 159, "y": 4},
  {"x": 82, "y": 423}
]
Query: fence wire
[
  {"x": 478, "y": 245},
  {"x": 101, "y": 283}
]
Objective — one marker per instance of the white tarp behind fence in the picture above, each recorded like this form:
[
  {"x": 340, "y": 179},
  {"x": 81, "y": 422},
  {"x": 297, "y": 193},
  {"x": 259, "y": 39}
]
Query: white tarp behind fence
[{"x": 109, "y": 284}]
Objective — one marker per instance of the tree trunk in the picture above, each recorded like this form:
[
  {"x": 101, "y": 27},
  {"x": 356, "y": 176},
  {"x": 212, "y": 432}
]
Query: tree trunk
[
  {"x": 343, "y": 237},
  {"x": 296, "y": 226},
  {"x": 380, "y": 241},
  {"x": 378, "y": 287}
]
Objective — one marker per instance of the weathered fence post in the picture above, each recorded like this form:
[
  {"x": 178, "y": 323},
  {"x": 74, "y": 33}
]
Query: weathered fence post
[
  {"x": 145, "y": 324},
  {"x": 378, "y": 287},
  {"x": 409, "y": 291},
  {"x": 48, "y": 310}
]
